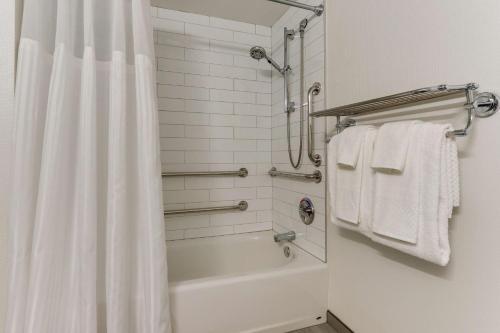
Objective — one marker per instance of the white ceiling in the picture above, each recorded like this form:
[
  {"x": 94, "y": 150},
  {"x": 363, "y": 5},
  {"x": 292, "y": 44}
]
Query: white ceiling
[{"x": 260, "y": 12}]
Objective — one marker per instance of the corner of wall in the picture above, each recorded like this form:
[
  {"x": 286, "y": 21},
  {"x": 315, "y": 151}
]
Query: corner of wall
[{"x": 8, "y": 21}]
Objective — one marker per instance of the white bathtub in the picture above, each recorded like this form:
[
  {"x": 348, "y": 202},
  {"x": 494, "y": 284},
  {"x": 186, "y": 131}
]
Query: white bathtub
[{"x": 244, "y": 283}]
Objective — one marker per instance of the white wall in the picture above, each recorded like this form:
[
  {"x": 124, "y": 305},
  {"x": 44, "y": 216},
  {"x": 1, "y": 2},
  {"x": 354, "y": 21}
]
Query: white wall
[
  {"x": 287, "y": 193},
  {"x": 7, "y": 70},
  {"x": 379, "y": 47},
  {"x": 215, "y": 114}
]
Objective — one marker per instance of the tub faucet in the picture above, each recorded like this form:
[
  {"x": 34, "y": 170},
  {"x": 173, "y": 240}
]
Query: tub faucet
[{"x": 287, "y": 236}]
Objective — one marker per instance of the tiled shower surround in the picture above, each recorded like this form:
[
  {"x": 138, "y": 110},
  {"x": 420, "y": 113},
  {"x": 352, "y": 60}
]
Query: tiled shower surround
[
  {"x": 215, "y": 114},
  {"x": 288, "y": 193},
  {"x": 222, "y": 110}
]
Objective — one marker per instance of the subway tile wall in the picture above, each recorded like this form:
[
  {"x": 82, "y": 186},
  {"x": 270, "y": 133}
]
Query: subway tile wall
[
  {"x": 215, "y": 114},
  {"x": 287, "y": 193}
]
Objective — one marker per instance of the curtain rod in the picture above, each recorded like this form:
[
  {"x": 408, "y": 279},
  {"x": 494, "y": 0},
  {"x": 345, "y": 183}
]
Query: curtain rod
[{"x": 318, "y": 10}]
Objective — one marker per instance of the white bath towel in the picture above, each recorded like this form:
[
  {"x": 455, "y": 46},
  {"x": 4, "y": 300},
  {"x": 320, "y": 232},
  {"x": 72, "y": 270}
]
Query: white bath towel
[
  {"x": 363, "y": 224},
  {"x": 438, "y": 160},
  {"x": 350, "y": 172},
  {"x": 397, "y": 195},
  {"x": 391, "y": 146}
]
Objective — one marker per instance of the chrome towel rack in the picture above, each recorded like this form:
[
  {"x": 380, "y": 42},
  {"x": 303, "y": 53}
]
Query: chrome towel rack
[
  {"x": 241, "y": 206},
  {"x": 313, "y": 177},
  {"x": 243, "y": 172},
  {"x": 481, "y": 105}
]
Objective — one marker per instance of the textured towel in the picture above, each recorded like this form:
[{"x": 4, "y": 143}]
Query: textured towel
[
  {"x": 439, "y": 165},
  {"x": 391, "y": 146},
  {"x": 397, "y": 195},
  {"x": 350, "y": 172},
  {"x": 349, "y": 147},
  {"x": 363, "y": 222}
]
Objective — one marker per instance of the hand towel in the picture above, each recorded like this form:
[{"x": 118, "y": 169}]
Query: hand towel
[
  {"x": 452, "y": 175},
  {"x": 391, "y": 146},
  {"x": 397, "y": 195},
  {"x": 366, "y": 193},
  {"x": 350, "y": 173},
  {"x": 438, "y": 154},
  {"x": 350, "y": 142}
]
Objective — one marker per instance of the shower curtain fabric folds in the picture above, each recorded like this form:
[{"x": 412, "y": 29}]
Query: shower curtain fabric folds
[{"x": 87, "y": 245}]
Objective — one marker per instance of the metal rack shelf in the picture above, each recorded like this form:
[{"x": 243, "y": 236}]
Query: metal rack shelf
[{"x": 480, "y": 105}]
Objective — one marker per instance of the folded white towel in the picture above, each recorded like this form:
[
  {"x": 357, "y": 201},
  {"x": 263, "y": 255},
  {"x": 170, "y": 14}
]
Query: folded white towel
[
  {"x": 438, "y": 160},
  {"x": 397, "y": 195},
  {"x": 362, "y": 222},
  {"x": 391, "y": 146},
  {"x": 350, "y": 172},
  {"x": 452, "y": 176},
  {"x": 350, "y": 142}
]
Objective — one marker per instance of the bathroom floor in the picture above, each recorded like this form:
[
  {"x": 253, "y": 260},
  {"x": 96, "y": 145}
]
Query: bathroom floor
[{"x": 323, "y": 328}]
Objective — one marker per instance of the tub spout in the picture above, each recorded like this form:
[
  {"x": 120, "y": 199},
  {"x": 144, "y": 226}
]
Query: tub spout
[{"x": 287, "y": 236}]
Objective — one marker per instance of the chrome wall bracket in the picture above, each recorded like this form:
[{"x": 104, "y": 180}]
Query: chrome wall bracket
[
  {"x": 344, "y": 123},
  {"x": 485, "y": 105}
]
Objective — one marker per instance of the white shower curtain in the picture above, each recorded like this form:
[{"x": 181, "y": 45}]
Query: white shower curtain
[{"x": 87, "y": 249}]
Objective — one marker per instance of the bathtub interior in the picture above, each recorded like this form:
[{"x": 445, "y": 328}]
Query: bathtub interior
[{"x": 229, "y": 256}]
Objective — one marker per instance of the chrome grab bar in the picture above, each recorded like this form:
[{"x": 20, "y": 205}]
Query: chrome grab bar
[
  {"x": 313, "y": 177},
  {"x": 243, "y": 172},
  {"x": 315, "y": 158},
  {"x": 241, "y": 206}
]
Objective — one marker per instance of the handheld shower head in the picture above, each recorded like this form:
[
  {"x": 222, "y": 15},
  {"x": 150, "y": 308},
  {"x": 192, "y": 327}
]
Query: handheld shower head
[{"x": 258, "y": 52}]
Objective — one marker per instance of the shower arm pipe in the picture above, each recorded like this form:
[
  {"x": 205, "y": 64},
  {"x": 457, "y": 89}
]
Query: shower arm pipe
[
  {"x": 318, "y": 10},
  {"x": 314, "y": 158}
]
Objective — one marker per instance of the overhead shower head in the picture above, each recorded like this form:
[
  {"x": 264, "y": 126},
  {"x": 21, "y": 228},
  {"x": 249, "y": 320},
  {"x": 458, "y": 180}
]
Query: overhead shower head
[{"x": 258, "y": 52}]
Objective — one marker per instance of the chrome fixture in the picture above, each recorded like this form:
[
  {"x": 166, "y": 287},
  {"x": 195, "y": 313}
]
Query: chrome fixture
[
  {"x": 313, "y": 177},
  {"x": 289, "y": 105},
  {"x": 479, "y": 105},
  {"x": 315, "y": 158},
  {"x": 306, "y": 211},
  {"x": 243, "y": 172},
  {"x": 258, "y": 53},
  {"x": 287, "y": 236},
  {"x": 288, "y": 34},
  {"x": 344, "y": 123},
  {"x": 286, "y": 251},
  {"x": 241, "y": 206},
  {"x": 318, "y": 10}
]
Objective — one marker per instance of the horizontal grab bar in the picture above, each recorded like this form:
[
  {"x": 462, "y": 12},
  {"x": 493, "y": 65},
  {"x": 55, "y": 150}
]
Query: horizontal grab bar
[
  {"x": 314, "y": 177},
  {"x": 243, "y": 172},
  {"x": 241, "y": 206}
]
